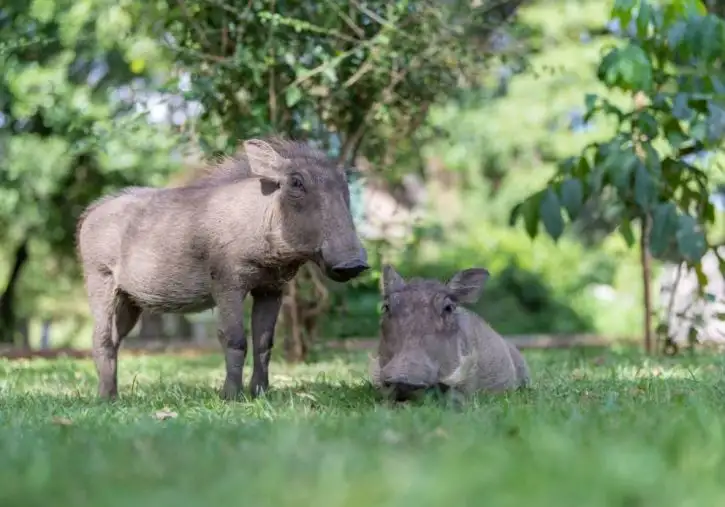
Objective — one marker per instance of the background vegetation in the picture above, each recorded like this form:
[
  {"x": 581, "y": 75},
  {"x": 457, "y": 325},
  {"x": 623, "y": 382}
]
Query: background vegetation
[{"x": 96, "y": 95}]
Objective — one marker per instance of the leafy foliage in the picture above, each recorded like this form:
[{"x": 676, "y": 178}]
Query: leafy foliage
[
  {"x": 66, "y": 133},
  {"x": 672, "y": 62},
  {"x": 358, "y": 77}
]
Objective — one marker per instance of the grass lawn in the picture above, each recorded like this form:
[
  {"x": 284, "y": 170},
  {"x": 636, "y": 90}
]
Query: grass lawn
[{"x": 598, "y": 428}]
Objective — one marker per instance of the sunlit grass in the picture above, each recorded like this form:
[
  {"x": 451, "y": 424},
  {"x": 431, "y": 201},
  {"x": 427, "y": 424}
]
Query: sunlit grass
[{"x": 595, "y": 429}]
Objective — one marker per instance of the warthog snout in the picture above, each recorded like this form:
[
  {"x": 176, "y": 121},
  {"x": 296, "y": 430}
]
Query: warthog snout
[
  {"x": 408, "y": 374},
  {"x": 403, "y": 391},
  {"x": 347, "y": 270}
]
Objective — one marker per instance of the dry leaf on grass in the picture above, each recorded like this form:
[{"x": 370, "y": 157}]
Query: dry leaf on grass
[
  {"x": 165, "y": 413},
  {"x": 62, "y": 421}
]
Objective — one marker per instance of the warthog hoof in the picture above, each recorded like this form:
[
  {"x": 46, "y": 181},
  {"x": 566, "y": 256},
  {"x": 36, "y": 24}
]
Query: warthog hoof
[
  {"x": 231, "y": 392},
  {"x": 258, "y": 390}
]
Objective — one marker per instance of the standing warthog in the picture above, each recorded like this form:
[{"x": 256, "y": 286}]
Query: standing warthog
[
  {"x": 244, "y": 227},
  {"x": 428, "y": 341}
]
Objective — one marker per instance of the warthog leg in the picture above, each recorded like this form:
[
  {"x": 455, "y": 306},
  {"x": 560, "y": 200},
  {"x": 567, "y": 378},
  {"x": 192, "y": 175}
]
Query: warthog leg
[
  {"x": 229, "y": 302},
  {"x": 265, "y": 309},
  {"x": 114, "y": 315}
]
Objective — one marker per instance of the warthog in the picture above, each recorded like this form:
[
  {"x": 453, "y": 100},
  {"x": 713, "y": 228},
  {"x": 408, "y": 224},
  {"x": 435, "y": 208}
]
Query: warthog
[
  {"x": 243, "y": 227},
  {"x": 428, "y": 341}
]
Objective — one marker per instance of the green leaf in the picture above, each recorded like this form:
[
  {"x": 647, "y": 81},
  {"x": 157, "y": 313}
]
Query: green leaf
[
  {"x": 628, "y": 68},
  {"x": 622, "y": 10},
  {"x": 625, "y": 229},
  {"x": 653, "y": 160},
  {"x": 715, "y": 123},
  {"x": 620, "y": 165},
  {"x": 676, "y": 34},
  {"x": 595, "y": 180},
  {"x": 681, "y": 107},
  {"x": 42, "y": 10},
  {"x": 664, "y": 226},
  {"x": 590, "y": 101},
  {"x": 572, "y": 196},
  {"x": 691, "y": 7},
  {"x": 568, "y": 165},
  {"x": 647, "y": 124},
  {"x": 708, "y": 212},
  {"x": 607, "y": 66},
  {"x": 674, "y": 133},
  {"x": 708, "y": 38},
  {"x": 530, "y": 211},
  {"x": 515, "y": 214},
  {"x": 644, "y": 187},
  {"x": 644, "y": 16},
  {"x": 702, "y": 283},
  {"x": 550, "y": 211},
  {"x": 691, "y": 239},
  {"x": 699, "y": 130},
  {"x": 717, "y": 85},
  {"x": 292, "y": 96},
  {"x": 583, "y": 168}
]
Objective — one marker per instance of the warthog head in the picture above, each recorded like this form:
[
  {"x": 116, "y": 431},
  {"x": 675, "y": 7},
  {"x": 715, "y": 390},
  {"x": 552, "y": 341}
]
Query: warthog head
[
  {"x": 312, "y": 206},
  {"x": 422, "y": 336}
]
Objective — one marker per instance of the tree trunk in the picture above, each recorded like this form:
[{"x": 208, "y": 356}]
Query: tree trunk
[
  {"x": 646, "y": 263},
  {"x": 183, "y": 328},
  {"x": 22, "y": 331},
  {"x": 7, "y": 300},
  {"x": 45, "y": 334}
]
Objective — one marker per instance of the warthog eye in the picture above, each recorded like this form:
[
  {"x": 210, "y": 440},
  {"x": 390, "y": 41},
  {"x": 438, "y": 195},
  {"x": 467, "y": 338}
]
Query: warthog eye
[
  {"x": 448, "y": 307},
  {"x": 296, "y": 183},
  {"x": 385, "y": 308}
]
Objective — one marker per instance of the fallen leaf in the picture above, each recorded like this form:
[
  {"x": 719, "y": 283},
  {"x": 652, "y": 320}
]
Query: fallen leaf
[
  {"x": 165, "y": 413},
  {"x": 62, "y": 421}
]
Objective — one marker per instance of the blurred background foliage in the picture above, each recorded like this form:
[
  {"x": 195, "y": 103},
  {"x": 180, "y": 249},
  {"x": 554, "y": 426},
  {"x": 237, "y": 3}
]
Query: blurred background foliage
[{"x": 452, "y": 111}]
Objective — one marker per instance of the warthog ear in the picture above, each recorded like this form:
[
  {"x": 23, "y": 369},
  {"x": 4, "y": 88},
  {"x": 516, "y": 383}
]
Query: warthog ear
[
  {"x": 391, "y": 279},
  {"x": 466, "y": 285},
  {"x": 264, "y": 161}
]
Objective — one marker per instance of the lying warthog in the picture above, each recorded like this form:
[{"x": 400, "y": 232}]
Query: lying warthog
[
  {"x": 244, "y": 227},
  {"x": 428, "y": 341}
]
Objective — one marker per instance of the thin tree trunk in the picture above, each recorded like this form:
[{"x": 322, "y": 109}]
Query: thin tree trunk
[
  {"x": 646, "y": 263},
  {"x": 7, "y": 300}
]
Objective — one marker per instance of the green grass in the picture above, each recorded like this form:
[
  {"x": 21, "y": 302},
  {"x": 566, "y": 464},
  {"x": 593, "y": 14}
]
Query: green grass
[{"x": 598, "y": 428}]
